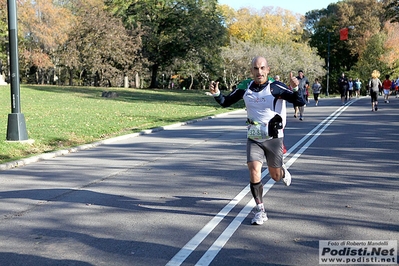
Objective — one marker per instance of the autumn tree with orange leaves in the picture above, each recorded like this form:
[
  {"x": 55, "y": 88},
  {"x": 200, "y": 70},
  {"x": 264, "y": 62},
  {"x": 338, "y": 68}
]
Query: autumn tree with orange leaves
[
  {"x": 98, "y": 49},
  {"x": 391, "y": 45},
  {"x": 43, "y": 27}
]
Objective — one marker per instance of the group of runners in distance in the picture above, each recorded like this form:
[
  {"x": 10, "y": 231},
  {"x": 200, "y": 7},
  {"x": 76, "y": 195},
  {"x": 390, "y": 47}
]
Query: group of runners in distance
[{"x": 374, "y": 87}]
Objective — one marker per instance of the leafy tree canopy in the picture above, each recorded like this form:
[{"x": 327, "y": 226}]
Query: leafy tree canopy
[
  {"x": 268, "y": 26},
  {"x": 173, "y": 29}
]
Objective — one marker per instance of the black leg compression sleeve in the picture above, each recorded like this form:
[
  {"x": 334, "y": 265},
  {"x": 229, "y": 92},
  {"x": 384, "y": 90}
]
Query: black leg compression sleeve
[{"x": 257, "y": 192}]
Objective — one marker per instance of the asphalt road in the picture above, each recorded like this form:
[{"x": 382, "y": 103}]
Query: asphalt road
[{"x": 180, "y": 195}]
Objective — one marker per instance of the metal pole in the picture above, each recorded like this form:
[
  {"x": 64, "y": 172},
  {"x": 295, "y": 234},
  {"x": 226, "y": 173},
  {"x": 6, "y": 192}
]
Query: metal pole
[
  {"x": 328, "y": 64},
  {"x": 16, "y": 128}
]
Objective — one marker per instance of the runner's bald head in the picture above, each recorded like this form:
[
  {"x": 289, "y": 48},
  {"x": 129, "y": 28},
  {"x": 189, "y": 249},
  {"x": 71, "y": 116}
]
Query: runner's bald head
[{"x": 259, "y": 59}]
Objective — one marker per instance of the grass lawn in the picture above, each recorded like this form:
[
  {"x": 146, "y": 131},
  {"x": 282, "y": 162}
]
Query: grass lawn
[{"x": 63, "y": 117}]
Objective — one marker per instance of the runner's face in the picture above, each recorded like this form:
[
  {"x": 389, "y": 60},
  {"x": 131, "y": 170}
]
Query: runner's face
[{"x": 260, "y": 70}]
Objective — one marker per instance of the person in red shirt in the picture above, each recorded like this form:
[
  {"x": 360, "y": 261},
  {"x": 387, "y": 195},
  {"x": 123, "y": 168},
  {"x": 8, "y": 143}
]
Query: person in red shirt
[{"x": 386, "y": 86}]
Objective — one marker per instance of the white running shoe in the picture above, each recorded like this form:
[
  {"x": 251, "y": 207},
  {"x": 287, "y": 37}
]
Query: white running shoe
[
  {"x": 260, "y": 218},
  {"x": 287, "y": 176}
]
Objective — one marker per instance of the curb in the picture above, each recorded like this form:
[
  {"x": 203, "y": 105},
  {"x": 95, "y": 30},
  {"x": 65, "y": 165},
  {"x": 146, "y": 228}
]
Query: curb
[{"x": 50, "y": 155}]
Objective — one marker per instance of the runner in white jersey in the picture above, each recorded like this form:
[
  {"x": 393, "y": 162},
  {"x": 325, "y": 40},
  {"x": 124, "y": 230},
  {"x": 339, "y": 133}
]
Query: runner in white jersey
[{"x": 266, "y": 117}]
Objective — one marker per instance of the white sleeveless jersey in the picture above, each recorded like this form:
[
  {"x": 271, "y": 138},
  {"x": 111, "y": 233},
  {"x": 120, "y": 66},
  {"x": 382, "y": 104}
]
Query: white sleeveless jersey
[{"x": 261, "y": 107}]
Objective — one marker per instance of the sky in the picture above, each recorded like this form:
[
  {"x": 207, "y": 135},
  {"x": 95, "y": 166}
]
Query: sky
[{"x": 296, "y": 6}]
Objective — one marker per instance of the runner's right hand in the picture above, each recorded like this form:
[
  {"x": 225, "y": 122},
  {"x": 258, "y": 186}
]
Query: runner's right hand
[{"x": 214, "y": 87}]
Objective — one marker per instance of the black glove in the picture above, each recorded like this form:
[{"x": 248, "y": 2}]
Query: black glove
[
  {"x": 281, "y": 91},
  {"x": 275, "y": 124}
]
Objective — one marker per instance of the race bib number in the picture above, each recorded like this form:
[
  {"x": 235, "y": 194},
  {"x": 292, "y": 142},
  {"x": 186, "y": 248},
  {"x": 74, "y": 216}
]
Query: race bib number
[{"x": 258, "y": 132}]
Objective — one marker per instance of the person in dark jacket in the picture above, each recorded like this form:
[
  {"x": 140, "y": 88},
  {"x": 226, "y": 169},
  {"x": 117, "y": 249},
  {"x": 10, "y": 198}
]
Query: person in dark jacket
[{"x": 343, "y": 85}]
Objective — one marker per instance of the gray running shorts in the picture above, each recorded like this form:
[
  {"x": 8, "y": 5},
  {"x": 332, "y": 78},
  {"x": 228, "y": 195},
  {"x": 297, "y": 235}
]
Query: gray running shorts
[{"x": 269, "y": 150}]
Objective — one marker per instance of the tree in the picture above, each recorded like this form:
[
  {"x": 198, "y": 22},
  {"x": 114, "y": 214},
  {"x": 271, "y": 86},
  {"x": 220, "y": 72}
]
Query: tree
[
  {"x": 391, "y": 46},
  {"x": 282, "y": 60},
  {"x": 371, "y": 58},
  {"x": 173, "y": 29},
  {"x": 99, "y": 48},
  {"x": 236, "y": 59},
  {"x": 391, "y": 10},
  {"x": 268, "y": 26},
  {"x": 43, "y": 27},
  {"x": 381, "y": 53},
  {"x": 188, "y": 68},
  {"x": 366, "y": 18},
  {"x": 273, "y": 33},
  {"x": 323, "y": 25},
  {"x": 3, "y": 32}
]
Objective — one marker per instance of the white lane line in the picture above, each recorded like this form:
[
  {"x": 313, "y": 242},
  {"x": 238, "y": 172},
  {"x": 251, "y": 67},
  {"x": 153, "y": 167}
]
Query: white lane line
[
  {"x": 339, "y": 110},
  {"x": 211, "y": 253},
  {"x": 208, "y": 228},
  {"x": 182, "y": 255},
  {"x": 205, "y": 231}
]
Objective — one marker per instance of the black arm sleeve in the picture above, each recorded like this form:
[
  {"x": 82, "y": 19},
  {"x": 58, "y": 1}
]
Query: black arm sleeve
[
  {"x": 281, "y": 91},
  {"x": 232, "y": 98}
]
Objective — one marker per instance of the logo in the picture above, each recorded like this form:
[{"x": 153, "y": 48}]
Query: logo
[{"x": 358, "y": 252}]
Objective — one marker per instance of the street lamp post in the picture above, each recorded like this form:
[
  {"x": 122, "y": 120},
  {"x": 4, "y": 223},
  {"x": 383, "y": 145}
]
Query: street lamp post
[
  {"x": 16, "y": 128},
  {"x": 328, "y": 64}
]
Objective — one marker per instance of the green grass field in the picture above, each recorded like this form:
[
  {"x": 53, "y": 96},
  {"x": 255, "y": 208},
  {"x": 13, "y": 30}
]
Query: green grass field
[{"x": 63, "y": 117}]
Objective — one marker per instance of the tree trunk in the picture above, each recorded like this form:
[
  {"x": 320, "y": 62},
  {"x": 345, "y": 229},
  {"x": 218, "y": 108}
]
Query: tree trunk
[
  {"x": 126, "y": 82},
  {"x": 192, "y": 81},
  {"x": 71, "y": 77},
  {"x": 97, "y": 79},
  {"x": 137, "y": 81},
  {"x": 81, "y": 82},
  {"x": 154, "y": 70}
]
